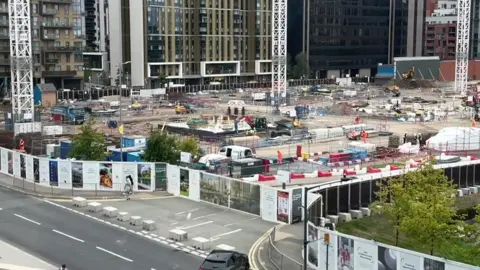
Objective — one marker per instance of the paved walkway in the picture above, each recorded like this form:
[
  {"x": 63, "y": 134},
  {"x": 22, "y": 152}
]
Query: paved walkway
[
  {"x": 14, "y": 258},
  {"x": 286, "y": 251}
]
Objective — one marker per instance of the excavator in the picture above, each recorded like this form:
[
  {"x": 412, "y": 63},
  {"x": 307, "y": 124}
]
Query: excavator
[{"x": 410, "y": 74}]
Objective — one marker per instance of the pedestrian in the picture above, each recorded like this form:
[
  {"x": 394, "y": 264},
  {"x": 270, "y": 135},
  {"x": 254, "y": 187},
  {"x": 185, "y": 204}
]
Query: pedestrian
[{"x": 63, "y": 267}]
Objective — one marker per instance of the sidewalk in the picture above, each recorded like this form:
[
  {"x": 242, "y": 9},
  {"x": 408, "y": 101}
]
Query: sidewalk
[
  {"x": 12, "y": 257},
  {"x": 35, "y": 189},
  {"x": 286, "y": 251}
]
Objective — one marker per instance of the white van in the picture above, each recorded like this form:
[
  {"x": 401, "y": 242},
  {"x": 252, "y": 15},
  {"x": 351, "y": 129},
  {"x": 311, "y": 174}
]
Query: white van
[{"x": 236, "y": 152}]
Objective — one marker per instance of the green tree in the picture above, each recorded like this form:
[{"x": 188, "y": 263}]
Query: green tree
[
  {"x": 89, "y": 144},
  {"x": 422, "y": 205},
  {"x": 161, "y": 148},
  {"x": 290, "y": 74},
  {"x": 302, "y": 67},
  {"x": 189, "y": 145}
]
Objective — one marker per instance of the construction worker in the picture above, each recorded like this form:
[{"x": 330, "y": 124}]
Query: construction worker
[
  {"x": 22, "y": 145},
  {"x": 474, "y": 123}
]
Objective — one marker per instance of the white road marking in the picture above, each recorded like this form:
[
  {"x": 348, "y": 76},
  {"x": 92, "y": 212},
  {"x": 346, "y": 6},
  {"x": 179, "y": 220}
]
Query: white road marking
[
  {"x": 114, "y": 254},
  {"x": 229, "y": 224},
  {"x": 223, "y": 234},
  {"x": 174, "y": 223},
  {"x": 209, "y": 215},
  {"x": 69, "y": 236},
  {"x": 179, "y": 213},
  {"x": 196, "y": 225},
  {"x": 1, "y": 209},
  {"x": 189, "y": 216},
  {"x": 27, "y": 219}
]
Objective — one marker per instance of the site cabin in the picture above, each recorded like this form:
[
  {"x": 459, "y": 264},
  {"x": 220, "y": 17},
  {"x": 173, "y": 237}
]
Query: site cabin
[{"x": 236, "y": 152}]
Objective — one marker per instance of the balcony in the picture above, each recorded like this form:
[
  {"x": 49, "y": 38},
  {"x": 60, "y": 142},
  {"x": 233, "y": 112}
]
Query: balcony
[
  {"x": 49, "y": 37},
  {"x": 4, "y": 23},
  {"x": 48, "y": 11},
  {"x": 51, "y": 61},
  {"x": 4, "y": 10},
  {"x": 51, "y": 49},
  {"x": 4, "y": 36},
  {"x": 62, "y": 73},
  {"x": 5, "y": 73},
  {"x": 57, "y": 25},
  {"x": 4, "y": 49},
  {"x": 5, "y": 62},
  {"x": 65, "y": 2}
]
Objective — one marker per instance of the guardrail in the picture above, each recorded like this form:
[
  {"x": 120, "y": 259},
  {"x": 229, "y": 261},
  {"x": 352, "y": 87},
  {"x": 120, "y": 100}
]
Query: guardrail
[{"x": 277, "y": 258}]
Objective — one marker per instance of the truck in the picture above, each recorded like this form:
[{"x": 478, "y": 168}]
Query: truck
[{"x": 68, "y": 114}]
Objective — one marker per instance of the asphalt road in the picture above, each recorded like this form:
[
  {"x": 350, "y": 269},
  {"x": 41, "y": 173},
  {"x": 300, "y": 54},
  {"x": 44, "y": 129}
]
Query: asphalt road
[{"x": 59, "y": 236}]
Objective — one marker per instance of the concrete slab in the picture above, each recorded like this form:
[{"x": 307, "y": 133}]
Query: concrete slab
[{"x": 198, "y": 219}]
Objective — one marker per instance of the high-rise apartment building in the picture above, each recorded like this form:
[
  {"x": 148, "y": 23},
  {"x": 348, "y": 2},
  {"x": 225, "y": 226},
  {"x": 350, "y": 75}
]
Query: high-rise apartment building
[
  {"x": 191, "y": 41},
  {"x": 96, "y": 40},
  {"x": 352, "y": 37},
  {"x": 441, "y": 29},
  {"x": 57, "y": 42}
]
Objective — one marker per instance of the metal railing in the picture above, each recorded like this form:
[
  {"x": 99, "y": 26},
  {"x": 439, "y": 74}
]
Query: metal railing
[{"x": 277, "y": 258}]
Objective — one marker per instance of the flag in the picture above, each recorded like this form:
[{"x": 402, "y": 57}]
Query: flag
[{"x": 120, "y": 129}]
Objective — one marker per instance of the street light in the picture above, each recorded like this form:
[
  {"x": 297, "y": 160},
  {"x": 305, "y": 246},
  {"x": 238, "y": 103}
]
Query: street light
[{"x": 120, "y": 67}]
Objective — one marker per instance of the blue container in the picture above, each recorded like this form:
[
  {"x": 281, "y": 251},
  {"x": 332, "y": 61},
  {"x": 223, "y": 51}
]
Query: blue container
[
  {"x": 37, "y": 95},
  {"x": 134, "y": 157},
  {"x": 302, "y": 111},
  {"x": 65, "y": 149},
  {"x": 115, "y": 155},
  {"x": 134, "y": 141}
]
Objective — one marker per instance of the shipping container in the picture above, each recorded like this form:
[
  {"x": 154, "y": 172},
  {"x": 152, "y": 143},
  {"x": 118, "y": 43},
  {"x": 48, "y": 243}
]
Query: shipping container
[
  {"x": 134, "y": 141},
  {"x": 65, "y": 149}
]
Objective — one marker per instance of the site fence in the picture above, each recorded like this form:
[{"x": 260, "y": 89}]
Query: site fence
[
  {"x": 278, "y": 259},
  {"x": 94, "y": 190}
]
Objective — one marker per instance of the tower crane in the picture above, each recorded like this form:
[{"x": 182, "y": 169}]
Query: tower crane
[
  {"x": 279, "y": 50},
  {"x": 21, "y": 66},
  {"x": 462, "y": 49}
]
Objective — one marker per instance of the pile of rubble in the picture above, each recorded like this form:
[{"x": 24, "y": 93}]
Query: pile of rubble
[{"x": 412, "y": 84}]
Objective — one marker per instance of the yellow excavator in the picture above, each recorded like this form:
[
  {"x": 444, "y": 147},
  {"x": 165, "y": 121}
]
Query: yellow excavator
[{"x": 410, "y": 74}]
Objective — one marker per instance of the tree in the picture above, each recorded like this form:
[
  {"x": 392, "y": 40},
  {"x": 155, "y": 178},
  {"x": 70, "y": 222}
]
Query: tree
[
  {"x": 421, "y": 204},
  {"x": 301, "y": 68},
  {"x": 161, "y": 148},
  {"x": 89, "y": 144},
  {"x": 289, "y": 67},
  {"x": 189, "y": 145},
  {"x": 117, "y": 78}
]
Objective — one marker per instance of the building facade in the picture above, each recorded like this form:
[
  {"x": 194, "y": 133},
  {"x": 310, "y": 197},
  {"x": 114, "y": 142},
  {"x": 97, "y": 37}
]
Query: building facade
[
  {"x": 57, "y": 42},
  {"x": 95, "y": 55},
  {"x": 351, "y": 37},
  {"x": 441, "y": 30},
  {"x": 191, "y": 41}
]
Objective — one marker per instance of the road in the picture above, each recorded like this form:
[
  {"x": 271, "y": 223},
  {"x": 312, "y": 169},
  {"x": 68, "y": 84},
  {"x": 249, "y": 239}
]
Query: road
[{"x": 59, "y": 236}]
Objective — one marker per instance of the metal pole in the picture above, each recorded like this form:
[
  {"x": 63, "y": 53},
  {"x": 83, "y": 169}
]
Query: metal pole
[
  {"x": 305, "y": 232},
  {"x": 120, "y": 108}
]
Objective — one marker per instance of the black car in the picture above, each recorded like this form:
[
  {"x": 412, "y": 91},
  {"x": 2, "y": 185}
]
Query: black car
[{"x": 225, "y": 260}]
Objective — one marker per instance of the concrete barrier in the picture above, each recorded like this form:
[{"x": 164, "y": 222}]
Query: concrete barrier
[
  {"x": 136, "y": 220},
  {"x": 110, "y": 211},
  {"x": 356, "y": 214},
  {"x": 201, "y": 243},
  {"x": 365, "y": 211},
  {"x": 333, "y": 219},
  {"x": 94, "y": 207},
  {"x": 149, "y": 225},
  {"x": 79, "y": 202},
  {"x": 178, "y": 235},
  {"x": 344, "y": 217},
  {"x": 123, "y": 216}
]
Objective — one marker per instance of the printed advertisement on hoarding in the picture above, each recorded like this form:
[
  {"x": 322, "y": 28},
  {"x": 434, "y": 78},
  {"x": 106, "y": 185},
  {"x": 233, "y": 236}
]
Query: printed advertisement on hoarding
[
  {"x": 194, "y": 185},
  {"x": 77, "y": 174},
  {"x": 297, "y": 198},
  {"x": 44, "y": 172},
  {"x": 53, "y": 172},
  {"x": 105, "y": 175},
  {"x": 345, "y": 253},
  {"x": 331, "y": 245},
  {"x": 23, "y": 170},
  {"x": 269, "y": 204},
  {"x": 145, "y": 176},
  {"x": 387, "y": 258},
  {"x": 90, "y": 175},
  {"x": 29, "y": 170},
  {"x": 407, "y": 261},
  {"x": 365, "y": 256},
  {"x": 283, "y": 206},
  {"x": 129, "y": 175},
  {"x": 10, "y": 162},
  {"x": 64, "y": 174}
]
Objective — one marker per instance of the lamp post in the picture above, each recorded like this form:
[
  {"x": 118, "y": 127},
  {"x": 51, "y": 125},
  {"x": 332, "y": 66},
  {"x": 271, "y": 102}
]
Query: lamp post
[{"x": 120, "y": 105}]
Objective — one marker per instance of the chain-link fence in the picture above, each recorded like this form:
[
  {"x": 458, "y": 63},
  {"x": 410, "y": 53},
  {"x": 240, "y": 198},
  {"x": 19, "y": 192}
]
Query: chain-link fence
[{"x": 280, "y": 260}]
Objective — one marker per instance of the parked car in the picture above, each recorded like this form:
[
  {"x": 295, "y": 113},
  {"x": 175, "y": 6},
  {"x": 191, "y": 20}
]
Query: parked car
[{"x": 225, "y": 260}]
